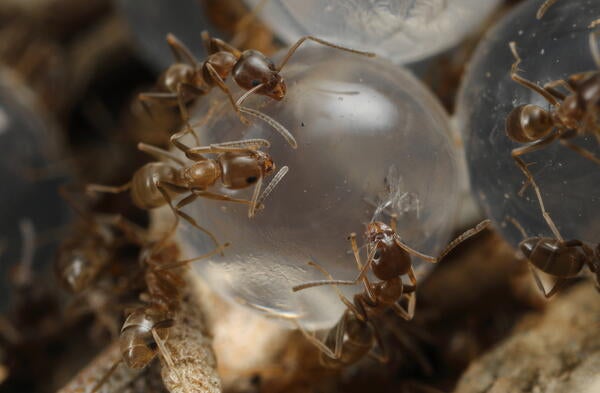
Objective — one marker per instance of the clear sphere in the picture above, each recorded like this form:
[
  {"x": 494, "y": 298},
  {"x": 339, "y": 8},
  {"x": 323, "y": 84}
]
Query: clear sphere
[
  {"x": 401, "y": 30},
  {"x": 368, "y": 132},
  {"x": 28, "y": 143},
  {"x": 552, "y": 48}
]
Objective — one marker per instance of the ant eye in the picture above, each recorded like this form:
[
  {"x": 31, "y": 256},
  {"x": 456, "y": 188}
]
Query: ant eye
[
  {"x": 251, "y": 179},
  {"x": 255, "y": 82}
]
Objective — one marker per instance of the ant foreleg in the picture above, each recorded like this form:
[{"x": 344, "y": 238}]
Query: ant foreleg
[
  {"x": 180, "y": 51},
  {"x": 514, "y": 74}
]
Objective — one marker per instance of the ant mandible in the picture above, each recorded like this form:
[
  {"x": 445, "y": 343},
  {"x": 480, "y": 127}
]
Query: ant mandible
[{"x": 389, "y": 259}]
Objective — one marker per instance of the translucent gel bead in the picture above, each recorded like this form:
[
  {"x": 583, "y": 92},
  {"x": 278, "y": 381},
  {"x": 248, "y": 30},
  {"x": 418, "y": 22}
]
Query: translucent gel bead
[
  {"x": 359, "y": 123},
  {"x": 28, "y": 142},
  {"x": 402, "y": 30},
  {"x": 552, "y": 48},
  {"x": 150, "y": 21}
]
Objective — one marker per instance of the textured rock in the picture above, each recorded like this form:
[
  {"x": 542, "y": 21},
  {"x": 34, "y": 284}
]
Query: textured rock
[{"x": 555, "y": 352}]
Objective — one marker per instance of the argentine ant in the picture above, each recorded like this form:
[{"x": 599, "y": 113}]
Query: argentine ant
[{"x": 388, "y": 258}]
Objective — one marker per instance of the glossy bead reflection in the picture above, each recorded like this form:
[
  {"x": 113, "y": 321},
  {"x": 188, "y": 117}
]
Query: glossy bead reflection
[
  {"x": 28, "y": 143},
  {"x": 552, "y": 48},
  {"x": 367, "y": 131},
  {"x": 402, "y": 30}
]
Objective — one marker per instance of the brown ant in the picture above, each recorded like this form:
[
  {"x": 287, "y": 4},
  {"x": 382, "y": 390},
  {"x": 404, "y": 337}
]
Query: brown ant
[
  {"x": 146, "y": 328},
  {"x": 92, "y": 247},
  {"x": 556, "y": 257},
  {"x": 188, "y": 79},
  {"x": 237, "y": 165},
  {"x": 571, "y": 115},
  {"x": 389, "y": 259}
]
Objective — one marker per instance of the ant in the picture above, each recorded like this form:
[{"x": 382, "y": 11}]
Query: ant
[
  {"x": 237, "y": 165},
  {"x": 146, "y": 328},
  {"x": 92, "y": 247},
  {"x": 189, "y": 78},
  {"x": 556, "y": 257},
  {"x": 389, "y": 259},
  {"x": 571, "y": 115}
]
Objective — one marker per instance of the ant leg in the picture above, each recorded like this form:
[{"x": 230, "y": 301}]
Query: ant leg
[
  {"x": 107, "y": 375},
  {"x": 461, "y": 238},
  {"x": 221, "y": 84},
  {"x": 331, "y": 281},
  {"x": 295, "y": 47},
  {"x": 174, "y": 139},
  {"x": 107, "y": 189},
  {"x": 543, "y": 8},
  {"x": 242, "y": 25},
  {"x": 179, "y": 213},
  {"x": 538, "y": 281},
  {"x": 185, "y": 262},
  {"x": 158, "y": 153},
  {"x": 340, "y": 332},
  {"x": 166, "y": 355},
  {"x": 131, "y": 230},
  {"x": 195, "y": 194},
  {"x": 213, "y": 45},
  {"x": 593, "y": 44},
  {"x": 180, "y": 51},
  {"x": 270, "y": 187},
  {"x": 408, "y": 313},
  {"x": 524, "y": 82},
  {"x": 580, "y": 150},
  {"x": 360, "y": 266},
  {"x": 384, "y": 357},
  {"x": 516, "y": 153},
  {"x": 550, "y": 87},
  {"x": 314, "y": 341}
]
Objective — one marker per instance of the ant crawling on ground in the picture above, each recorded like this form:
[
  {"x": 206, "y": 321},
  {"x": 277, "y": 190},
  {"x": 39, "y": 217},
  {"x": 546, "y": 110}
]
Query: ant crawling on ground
[
  {"x": 189, "y": 78},
  {"x": 237, "y": 165},
  {"x": 388, "y": 258},
  {"x": 573, "y": 114}
]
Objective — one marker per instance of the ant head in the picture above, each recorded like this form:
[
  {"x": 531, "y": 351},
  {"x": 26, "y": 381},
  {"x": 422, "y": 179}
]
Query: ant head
[
  {"x": 266, "y": 162},
  {"x": 377, "y": 230},
  {"x": 253, "y": 68},
  {"x": 240, "y": 170},
  {"x": 389, "y": 260},
  {"x": 527, "y": 123}
]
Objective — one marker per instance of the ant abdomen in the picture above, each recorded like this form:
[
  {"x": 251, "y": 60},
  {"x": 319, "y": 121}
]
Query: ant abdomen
[
  {"x": 528, "y": 123},
  {"x": 78, "y": 267},
  {"x": 144, "y": 191},
  {"x": 561, "y": 259},
  {"x": 138, "y": 346}
]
